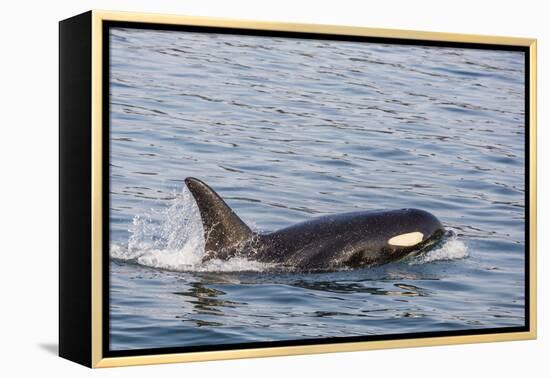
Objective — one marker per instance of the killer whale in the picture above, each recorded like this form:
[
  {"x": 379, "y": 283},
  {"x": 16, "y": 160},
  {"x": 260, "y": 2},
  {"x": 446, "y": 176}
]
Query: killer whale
[{"x": 347, "y": 240}]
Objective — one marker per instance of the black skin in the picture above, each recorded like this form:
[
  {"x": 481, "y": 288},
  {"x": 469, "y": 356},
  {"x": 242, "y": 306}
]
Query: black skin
[{"x": 348, "y": 240}]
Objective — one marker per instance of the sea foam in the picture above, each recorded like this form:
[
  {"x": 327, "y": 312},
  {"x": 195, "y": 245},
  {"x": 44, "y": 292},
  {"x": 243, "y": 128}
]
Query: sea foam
[
  {"x": 176, "y": 242},
  {"x": 450, "y": 249}
]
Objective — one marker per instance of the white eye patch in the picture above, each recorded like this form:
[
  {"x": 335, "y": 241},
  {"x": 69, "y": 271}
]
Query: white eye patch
[{"x": 406, "y": 240}]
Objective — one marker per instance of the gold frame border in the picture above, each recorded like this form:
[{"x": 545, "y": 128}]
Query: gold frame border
[{"x": 97, "y": 333}]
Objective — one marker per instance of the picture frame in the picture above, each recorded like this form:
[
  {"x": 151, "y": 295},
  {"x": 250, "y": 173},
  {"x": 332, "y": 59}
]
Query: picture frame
[{"x": 87, "y": 113}]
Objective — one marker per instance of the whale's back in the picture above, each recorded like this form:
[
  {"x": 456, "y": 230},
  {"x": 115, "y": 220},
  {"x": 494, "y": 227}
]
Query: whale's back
[{"x": 344, "y": 240}]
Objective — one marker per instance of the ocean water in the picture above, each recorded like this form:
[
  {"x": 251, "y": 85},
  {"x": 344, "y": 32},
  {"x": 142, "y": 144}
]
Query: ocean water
[{"x": 289, "y": 129}]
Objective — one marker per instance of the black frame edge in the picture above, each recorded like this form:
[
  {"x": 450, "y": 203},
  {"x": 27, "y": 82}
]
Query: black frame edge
[{"x": 75, "y": 168}]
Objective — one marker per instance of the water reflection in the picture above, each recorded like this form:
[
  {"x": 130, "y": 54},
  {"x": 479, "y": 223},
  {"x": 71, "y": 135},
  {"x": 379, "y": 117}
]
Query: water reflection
[{"x": 362, "y": 287}]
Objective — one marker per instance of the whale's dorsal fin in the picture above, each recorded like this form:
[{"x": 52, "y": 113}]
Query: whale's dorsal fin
[{"x": 223, "y": 229}]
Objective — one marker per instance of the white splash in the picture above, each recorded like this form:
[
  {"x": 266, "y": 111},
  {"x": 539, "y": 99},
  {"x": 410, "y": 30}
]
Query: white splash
[
  {"x": 176, "y": 242},
  {"x": 451, "y": 249}
]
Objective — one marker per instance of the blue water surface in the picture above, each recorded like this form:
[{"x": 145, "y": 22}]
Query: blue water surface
[{"x": 288, "y": 129}]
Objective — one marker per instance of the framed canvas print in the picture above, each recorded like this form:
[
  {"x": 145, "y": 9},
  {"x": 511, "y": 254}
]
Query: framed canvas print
[{"x": 234, "y": 189}]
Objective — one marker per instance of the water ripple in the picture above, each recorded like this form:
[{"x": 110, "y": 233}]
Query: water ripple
[{"x": 287, "y": 129}]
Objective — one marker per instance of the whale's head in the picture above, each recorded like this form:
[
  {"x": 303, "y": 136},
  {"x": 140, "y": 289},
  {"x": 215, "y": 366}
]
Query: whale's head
[
  {"x": 391, "y": 235},
  {"x": 411, "y": 227}
]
